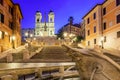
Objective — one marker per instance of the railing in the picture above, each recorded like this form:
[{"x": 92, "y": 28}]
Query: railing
[{"x": 88, "y": 52}]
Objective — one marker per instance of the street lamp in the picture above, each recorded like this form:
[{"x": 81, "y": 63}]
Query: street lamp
[
  {"x": 102, "y": 39},
  {"x": 31, "y": 35},
  {"x": 26, "y": 34},
  {"x": 34, "y": 38},
  {"x": 65, "y": 34}
]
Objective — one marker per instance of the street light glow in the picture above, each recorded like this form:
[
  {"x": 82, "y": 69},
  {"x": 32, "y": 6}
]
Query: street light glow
[
  {"x": 13, "y": 37},
  {"x": 70, "y": 35},
  {"x": 6, "y": 33},
  {"x": 34, "y": 38},
  {"x": 31, "y": 35},
  {"x": 26, "y": 34},
  {"x": 65, "y": 34}
]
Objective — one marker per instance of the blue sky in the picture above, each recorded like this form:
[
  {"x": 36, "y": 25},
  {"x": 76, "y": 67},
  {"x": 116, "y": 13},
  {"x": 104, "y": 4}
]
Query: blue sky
[{"x": 63, "y": 9}]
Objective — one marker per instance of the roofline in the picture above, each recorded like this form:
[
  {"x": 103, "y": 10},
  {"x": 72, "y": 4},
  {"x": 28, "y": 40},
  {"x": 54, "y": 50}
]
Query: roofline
[
  {"x": 18, "y": 7},
  {"x": 93, "y": 8}
]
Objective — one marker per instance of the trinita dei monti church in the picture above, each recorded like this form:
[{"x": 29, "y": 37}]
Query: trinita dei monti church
[{"x": 46, "y": 28}]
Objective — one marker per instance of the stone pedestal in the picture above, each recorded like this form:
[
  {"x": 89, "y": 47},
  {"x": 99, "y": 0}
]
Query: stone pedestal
[
  {"x": 25, "y": 55},
  {"x": 9, "y": 57},
  {"x": 61, "y": 70}
]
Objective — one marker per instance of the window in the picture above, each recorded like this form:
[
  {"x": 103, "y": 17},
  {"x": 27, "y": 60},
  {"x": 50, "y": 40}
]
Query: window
[
  {"x": 50, "y": 32},
  {"x": 88, "y": 32},
  {"x": 50, "y": 19},
  {"x": 1, "y": 18},
  {"x": 118, "y": 18},
  {"x": 104, "y": 25},
  {"x": 1, "y": 2},
  {"x": 11, "y": 25},
  {"x": 88, "y": 21},
  {"x": 38, "y": 20},
  {"x": 9, "y": 38},
  {"x": 11, "y": 10},
  {"x": 118, "y": 34},
  {"x": 117, "y": 2},
  {"x": 95, "y": 29},
  {"x": 94, "y": 41},
  {"x": 104, "y": 11},
  {"x": 3, "y": 35},
  {"x": 94, "y": 16},
  {"x": 88, "y": 43}
]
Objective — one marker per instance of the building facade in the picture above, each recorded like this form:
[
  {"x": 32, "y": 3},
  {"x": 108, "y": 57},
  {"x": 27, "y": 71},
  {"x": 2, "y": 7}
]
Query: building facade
[
  {"x": 44, "y": 29},
  {"x": 102, "y": 25},
  {"x": 72, "y": 29},
  {"x": 10, "y": 27}
]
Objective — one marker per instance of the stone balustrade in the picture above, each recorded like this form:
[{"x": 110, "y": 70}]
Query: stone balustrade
[{"x": 93, "y": 65}]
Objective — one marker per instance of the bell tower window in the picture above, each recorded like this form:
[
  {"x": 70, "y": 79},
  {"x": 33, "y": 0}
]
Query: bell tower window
[
  {"x": 38, "y": 20},
  {"x": 51, "y": 20}
]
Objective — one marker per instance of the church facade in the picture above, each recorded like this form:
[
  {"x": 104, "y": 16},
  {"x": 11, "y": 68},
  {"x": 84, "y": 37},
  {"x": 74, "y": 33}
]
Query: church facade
[{"x": 46, "y": 28}]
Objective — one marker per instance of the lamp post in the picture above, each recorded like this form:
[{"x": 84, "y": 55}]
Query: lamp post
[
  {"x": 31, "y": 35},
  {"x": 65, "y": 35},
  {"x": 102, "y": 39},
  {"x": 13, "y": 39},
  {"x": 26, "y": 36}
]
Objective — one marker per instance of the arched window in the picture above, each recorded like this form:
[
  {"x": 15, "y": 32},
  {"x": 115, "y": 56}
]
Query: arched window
[
  {"x": 38, "y": 20},
  {"x": 51, "y": 20},
  {"x": 50, "y": 32}
]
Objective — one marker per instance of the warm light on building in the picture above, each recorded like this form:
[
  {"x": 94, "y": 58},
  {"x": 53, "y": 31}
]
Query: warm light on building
[
  {"x": 13, "y": 37},
  {"x": 0, "y": 34},
  {"x": 31, "y": 35},
  {"x": 103, "y": 20},
  {"x": 6, "y": 33},
  {"x": 10, "y": 15},
  {"x": 65, "y": 34}
]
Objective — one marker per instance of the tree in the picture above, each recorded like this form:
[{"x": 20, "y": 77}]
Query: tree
[
  {"x": 60, "y": 33},
  {"x": 79, "y": 38}
]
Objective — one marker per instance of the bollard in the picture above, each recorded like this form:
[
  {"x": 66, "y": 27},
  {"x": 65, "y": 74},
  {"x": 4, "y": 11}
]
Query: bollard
[
  {"x": 61, "y": 70},
  {"x": 9, "y": 57}
]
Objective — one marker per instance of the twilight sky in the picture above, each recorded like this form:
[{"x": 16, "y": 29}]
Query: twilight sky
[{"x": 62, "y": 9}]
